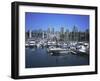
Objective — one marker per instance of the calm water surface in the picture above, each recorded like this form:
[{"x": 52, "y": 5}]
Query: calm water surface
[{"x": 41, "y": 58}]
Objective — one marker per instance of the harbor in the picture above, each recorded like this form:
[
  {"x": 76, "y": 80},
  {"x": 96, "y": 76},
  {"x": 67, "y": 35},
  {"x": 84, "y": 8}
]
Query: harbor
[
  {"x": 54, "y": 47},
  {"x": 50, "y": 54},
  {"x": 50, "y": 48}
]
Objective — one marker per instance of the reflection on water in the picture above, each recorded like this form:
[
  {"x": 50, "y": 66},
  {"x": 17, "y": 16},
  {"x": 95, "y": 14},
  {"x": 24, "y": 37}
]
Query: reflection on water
[{"x": 41, "y": 58}]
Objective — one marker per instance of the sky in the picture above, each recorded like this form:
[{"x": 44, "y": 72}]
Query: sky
[{"x": 35, "y": 21}]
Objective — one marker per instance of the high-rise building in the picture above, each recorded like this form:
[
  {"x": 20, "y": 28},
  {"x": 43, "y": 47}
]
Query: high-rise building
[
  {"x": 52, "y": 31},
  {"x": 81, "y": 36},
  {"x": 26, "y": 35},
  {"x": 75, "y": 34},
  {"x": 48, "y": 33},
  {"x": 48, "y": 30},
  {"x": 66, "y": 35},
  {"x": 87, "y": 35},
  {"x": 62, "y": 34},
  {"x": 30, "y": 34},
  {"x": 62, "y": 30},
  {"x": 57, "y": 34}
]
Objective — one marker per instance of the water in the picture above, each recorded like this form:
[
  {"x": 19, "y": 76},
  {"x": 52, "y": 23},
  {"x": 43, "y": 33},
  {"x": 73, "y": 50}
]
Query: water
[{"x": 41, "y": 58}]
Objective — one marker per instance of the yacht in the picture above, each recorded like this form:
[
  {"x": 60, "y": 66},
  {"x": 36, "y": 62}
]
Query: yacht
[
  {"x": 57, "y": 50},
  {"x": 83, "y": 48}
]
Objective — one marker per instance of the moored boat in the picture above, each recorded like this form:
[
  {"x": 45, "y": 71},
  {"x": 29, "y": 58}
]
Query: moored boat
[{"x": 57, "y": 50}]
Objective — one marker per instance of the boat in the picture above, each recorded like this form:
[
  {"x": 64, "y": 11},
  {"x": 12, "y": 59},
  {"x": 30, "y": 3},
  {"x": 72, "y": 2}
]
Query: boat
[
  {"x": 82, "y": 50},
  {"x": 30, "y": 44},
  {"x": 57, "y": 50}
]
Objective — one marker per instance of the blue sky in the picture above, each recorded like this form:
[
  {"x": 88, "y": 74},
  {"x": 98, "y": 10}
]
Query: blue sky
[{"x": 35, "y": 21}]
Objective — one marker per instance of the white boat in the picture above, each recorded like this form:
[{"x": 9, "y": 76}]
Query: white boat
[
  {"x": 80, "y": 48},
  {"x": 57, "y": 50},
  {"x": 26, "y": 44},
  {"x": 30, "y": 43},
  {"x": 83, "y": 50}
]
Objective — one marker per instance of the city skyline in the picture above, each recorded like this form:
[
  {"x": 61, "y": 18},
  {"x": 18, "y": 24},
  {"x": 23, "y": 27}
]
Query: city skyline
[
  {"x": 53, "y": 30},
  {"x": 36, "y": 21}
]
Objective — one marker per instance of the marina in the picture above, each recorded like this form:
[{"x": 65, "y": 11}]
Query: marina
[
  {"x": 54, "y": 47},
  {"x": 53, "y": 54}
]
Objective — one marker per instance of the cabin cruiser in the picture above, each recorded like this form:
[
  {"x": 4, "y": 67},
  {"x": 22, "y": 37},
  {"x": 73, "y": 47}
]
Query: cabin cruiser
[
  {"x": 30, "y": 44},
  {"x": 79, "y": 48},
  {"x": 57, "y": 50},
  {"x": 83, "y": 48}
]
